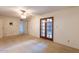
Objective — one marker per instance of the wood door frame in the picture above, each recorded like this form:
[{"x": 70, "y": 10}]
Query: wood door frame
[{"x": 46, "y": 29}]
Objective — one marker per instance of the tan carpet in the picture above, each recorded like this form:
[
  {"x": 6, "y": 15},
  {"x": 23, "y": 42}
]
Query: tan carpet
[{"x": 29, "y": 44}]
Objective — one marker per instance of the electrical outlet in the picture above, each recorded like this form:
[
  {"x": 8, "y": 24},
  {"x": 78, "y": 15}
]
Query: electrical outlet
[{"x": 68, "y": 41}]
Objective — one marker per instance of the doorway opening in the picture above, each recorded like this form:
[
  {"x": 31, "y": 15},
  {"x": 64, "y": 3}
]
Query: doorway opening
[{"x": 21, "y": 27}]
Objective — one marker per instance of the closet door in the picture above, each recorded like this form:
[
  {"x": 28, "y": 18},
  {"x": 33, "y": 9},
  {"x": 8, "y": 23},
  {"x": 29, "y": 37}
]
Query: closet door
[{"x": 43, "y": 28}]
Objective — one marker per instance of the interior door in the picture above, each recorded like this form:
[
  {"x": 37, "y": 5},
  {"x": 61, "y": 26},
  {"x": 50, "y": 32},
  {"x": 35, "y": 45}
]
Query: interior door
[{"x": 46, "y": 28}]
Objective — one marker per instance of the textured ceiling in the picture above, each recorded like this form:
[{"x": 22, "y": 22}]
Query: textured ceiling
[{"x": 12, "y": 10}]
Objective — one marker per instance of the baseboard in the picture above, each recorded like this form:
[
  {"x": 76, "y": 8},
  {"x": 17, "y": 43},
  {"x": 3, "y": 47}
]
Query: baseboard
[
  {"x": 66, "y": 45},
  {"x": 12, "y": 36}
]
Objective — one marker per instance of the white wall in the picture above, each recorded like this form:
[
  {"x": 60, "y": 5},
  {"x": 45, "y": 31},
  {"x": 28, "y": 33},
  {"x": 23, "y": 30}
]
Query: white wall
[
  {"x": 1, "y": 28},
  {"x": 66, "y": 26},
  {"x": 9, "y": 30},
  {"x": 34, "y": 26}
]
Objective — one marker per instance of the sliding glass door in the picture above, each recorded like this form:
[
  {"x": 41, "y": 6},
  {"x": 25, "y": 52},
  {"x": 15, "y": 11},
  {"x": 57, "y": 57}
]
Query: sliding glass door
[{"x": 46, "y": 28}]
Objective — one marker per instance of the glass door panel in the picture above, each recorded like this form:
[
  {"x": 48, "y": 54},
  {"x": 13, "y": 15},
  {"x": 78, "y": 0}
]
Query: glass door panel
[
  {"x": 43, "y": 28},
  {"x": 49, "y": 28}
]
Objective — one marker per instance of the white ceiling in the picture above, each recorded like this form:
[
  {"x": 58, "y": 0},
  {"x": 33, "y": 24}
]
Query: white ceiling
[{"x": 12, "y": 10}]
